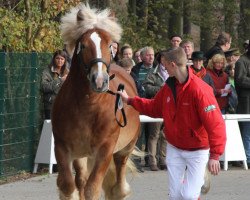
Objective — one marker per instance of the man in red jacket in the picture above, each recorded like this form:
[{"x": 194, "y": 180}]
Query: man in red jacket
[{"x": 194, "y": 127}]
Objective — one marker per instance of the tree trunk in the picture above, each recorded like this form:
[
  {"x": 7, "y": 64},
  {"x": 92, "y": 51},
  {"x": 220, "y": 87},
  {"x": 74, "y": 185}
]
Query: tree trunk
[
  {"x": 28, "y": 29},
  {"x": 142, "y": 11},
  {"x": 176, "y": 19}
]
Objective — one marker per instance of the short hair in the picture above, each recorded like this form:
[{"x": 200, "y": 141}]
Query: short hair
[
  {"x": 223, "y": 38},
  {"x": 216, "y": 58},
  {"x": 175, "y": 35},
  {"x": 145, "y": 49},
  {"x": 126, "y": 63},
  {"x": 176, "y": 55},
  {"x": 187, "y": 42},
  {"x": 126, "y": 46}
]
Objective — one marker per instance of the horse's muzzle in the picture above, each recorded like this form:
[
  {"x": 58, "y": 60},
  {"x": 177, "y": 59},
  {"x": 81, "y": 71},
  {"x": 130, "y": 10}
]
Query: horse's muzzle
[{"x": 99, "y": 82}]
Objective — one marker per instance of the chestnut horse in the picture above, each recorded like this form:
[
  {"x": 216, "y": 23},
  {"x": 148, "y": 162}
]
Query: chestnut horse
[{"x": 87, "y": 135}]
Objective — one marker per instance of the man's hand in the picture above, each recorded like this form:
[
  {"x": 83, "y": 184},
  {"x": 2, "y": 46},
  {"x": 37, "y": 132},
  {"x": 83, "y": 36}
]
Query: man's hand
[
  {"x": 214, "y": 166},
  {"x": 124, "y": 95}
]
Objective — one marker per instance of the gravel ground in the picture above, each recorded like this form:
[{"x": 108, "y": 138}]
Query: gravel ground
[{"x": 229, "y": 185}]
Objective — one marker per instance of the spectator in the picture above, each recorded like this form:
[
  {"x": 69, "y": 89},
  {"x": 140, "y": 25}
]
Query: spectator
[
  {"x": 198, "y": 68},
  {"x": 232, "y": 55},
  {"x": 127, "y": 64},
  {"x": 188, "y": 47},
  {"x": 139, "y": 72},
  {"x": 52, "y": 79},
  {"x": 127, "y": 52},
  {"x": 115, "y": 51},
  {"x": 233, "y": 98},
  {"x": 242, "y": 86},
  {"x": 175, "y": 40},
  {"x": 193, "y": 125},
  {"x": 215, "y": 69},
  {"x": 137, "y": 56},
  {"x": 155, "y": 79},
  {"x": 223, "y": 43}
]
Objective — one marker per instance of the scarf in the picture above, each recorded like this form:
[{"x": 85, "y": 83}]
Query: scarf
[
  {"x": 199, "y": 72},
  {"x": 163, "y": 72}
]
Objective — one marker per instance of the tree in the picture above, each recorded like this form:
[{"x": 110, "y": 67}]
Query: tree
[{"x": 32, "y": 25}]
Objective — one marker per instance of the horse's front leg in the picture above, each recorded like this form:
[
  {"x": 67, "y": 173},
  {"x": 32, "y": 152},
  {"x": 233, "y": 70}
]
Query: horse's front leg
[
  {"x": 65, "y": 179},
  {"x": 81, "y": 177},
  {"x": 103, "y": 157}
]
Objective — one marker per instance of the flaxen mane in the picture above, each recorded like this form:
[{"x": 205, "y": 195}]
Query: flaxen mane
[{"x": 71, "y": 29}]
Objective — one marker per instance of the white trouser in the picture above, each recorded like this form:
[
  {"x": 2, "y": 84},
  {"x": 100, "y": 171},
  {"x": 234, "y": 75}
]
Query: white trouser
[{"x": 186, "y": 171}]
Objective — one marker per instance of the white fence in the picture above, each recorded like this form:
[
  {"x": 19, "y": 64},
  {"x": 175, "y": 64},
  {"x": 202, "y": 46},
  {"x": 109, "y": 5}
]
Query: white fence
[{"x": 234, "y": 150}]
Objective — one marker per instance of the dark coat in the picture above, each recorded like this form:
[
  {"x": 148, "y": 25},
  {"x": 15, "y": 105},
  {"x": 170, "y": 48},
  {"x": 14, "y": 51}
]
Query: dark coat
[
  {"x": 242, "y": 84},
  {"x": 153, "y": 82},
  {"x": 135, "y": 73}
]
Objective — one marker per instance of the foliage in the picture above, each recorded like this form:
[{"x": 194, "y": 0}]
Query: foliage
[
  {"x": 149, "y": 29},
  {"x": 33, "y": 25}
]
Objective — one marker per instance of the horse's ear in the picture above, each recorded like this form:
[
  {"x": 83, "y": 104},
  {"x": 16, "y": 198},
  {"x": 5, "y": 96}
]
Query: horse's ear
[{"x": 80, "y": 16}]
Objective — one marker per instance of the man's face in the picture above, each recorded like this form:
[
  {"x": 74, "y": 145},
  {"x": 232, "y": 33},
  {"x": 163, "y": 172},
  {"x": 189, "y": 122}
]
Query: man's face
[
  {"x": 188, "y": 48},
  {"x": 198, "y": 63},
  {"x": 148, "y": 57},
  {"x": 168, "y": 66},
  {"x": 175, "y": 41}
]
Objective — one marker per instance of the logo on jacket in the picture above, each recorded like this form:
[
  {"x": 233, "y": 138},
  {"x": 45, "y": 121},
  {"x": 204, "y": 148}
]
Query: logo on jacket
[
  {"x": 168, "y": 99},
  {"x": 210, "y": 108}
]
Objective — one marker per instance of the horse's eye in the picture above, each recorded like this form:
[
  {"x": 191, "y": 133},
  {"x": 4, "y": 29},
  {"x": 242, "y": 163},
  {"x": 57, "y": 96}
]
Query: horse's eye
[{"x": 82, "y": 46}]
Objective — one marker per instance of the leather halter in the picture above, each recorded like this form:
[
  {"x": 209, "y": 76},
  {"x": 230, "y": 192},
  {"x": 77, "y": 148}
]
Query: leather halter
[
  {"x": 120, "y": 87},
  {"x": 92, "y": 62}
]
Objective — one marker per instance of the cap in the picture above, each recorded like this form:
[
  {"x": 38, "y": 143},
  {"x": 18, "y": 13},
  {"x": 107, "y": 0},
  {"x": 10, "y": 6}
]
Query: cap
[{"x": 231, "y": 52}]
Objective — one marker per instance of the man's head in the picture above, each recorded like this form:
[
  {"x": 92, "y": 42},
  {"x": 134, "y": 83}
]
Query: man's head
[
  {"x": 188, "y": 47},
  {"x": 147, "y": 56},
  {"x": 175, "y": 40},
  {"x": 174, "y": 59},
  {"x": 198, "y": 58},
  {"x": 232, "y": 55},
  {"x": 224, "y": 41},
  {"x": 127, "y": 64}
]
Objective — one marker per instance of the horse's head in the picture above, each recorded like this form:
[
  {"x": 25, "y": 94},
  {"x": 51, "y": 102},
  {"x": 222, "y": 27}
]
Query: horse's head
[
  {"x": 90, "y": 32},
  {"x": 94, "y": 56}
]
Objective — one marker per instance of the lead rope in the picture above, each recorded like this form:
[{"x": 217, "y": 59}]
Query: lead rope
[{"x": 119, "y": 105}]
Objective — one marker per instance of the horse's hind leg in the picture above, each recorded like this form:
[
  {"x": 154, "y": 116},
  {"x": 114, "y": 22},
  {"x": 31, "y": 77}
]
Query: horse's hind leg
[
  {"x": 115, "y": 184},
  {"x": 65, "y": 179},
  {"x": 81, "y": 177}
]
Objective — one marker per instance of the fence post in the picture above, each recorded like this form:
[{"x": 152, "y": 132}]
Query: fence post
[
  {"x": 32, "y": 106},
  {"x": 2, "y": 73}
]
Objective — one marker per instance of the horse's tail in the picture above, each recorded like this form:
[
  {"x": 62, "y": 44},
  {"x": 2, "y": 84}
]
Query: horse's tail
[
  {"x": 130, "y": 163},
  {"x": 206, "y": 186}
]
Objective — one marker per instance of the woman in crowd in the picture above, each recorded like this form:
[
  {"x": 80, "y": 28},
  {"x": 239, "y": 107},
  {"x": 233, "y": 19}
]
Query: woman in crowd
[
  {"x": 52, "y": 79},
  {"x": 215, "y": 68}
]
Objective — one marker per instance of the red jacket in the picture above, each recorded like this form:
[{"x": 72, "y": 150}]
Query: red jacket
[
  {"x": 193, "y": 121},
  {"x": 220, "y": 82}
]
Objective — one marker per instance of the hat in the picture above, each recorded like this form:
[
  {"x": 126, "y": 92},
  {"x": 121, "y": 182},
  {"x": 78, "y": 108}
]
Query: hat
[
  {"x": 197, "y": 55},
  {"x": 232, "y": 52}
]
